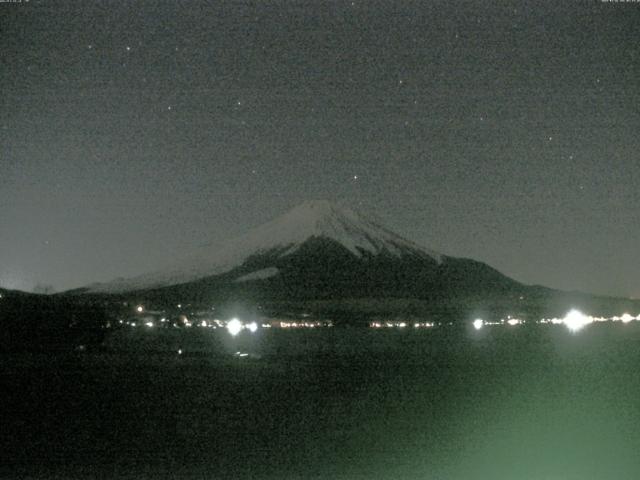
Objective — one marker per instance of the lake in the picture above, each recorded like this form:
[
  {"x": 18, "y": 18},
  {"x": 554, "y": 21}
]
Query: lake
[{"x": 530, "y": 402}]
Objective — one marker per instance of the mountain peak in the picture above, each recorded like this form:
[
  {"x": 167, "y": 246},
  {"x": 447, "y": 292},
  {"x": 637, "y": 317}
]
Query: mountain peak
[
  {"x": 316, "y": 217},
  {"x": 285, "y": 234},
  {"x": 321, "y": 218}
]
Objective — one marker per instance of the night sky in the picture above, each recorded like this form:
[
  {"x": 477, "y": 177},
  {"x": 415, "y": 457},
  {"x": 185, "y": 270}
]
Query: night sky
[{"x": 133, "y": 132}]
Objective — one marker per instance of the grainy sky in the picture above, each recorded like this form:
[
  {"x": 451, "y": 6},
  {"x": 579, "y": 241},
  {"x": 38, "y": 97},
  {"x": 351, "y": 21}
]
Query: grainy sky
[{"x": 132, "y": 132}]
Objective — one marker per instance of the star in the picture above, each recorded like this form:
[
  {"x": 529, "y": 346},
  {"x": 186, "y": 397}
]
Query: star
[
  {"x": 128, "y": 48},
  {"x": 355, "y": 177}
]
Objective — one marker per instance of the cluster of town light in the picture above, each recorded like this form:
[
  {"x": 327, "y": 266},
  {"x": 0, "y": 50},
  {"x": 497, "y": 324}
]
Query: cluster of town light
[
  {"x": 235, "y": 326},
  {"x": 399, "y": 324},
  {"x": 305, "y": 324},
  {"x": 574, "y": 320}
]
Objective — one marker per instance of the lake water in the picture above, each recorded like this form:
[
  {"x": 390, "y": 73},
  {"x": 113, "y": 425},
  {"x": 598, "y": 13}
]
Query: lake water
[{"x": 530, "y": 403}]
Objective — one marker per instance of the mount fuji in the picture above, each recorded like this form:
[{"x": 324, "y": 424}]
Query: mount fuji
[{"x": 317, "y": 250}]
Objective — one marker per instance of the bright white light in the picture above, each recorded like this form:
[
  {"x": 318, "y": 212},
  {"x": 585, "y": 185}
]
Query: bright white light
[
  {"x": 626, "y": 318},
  {"x": 252, "y": 327},
  {"x": 139, "y": 309},
  {"x": 513, "y": 321},
  {"x": 478, "y": 323},
  {"x": 203, "y": 323},
  {"x": 179, "y": 351},
  {"x": 234, "y": 326},
  {"x": 149, "y": 324},
  {"x": 402, "y": 324},
  {"x": 576, "y": 320}
]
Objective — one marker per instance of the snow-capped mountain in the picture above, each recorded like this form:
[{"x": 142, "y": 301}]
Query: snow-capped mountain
[
  {"x": 280, "y": 238},
  {"x": 340, "y": 264}
]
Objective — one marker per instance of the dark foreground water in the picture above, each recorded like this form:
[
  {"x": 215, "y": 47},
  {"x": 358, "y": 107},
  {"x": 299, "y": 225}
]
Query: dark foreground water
[{"x": 530, "y": 403}]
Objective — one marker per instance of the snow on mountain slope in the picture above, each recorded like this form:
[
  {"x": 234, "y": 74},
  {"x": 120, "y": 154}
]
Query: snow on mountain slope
[
  {"x": 258, "y": 275},
  {"x": 281, "y": 236}
]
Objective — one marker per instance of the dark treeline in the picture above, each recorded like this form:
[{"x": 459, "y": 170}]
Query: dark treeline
[{"x": 44, "y": 323}]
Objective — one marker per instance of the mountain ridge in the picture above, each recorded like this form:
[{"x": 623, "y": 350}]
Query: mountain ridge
[
  {"x": 283, "y": 235},
  {"x": 336, "y": 262}
]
